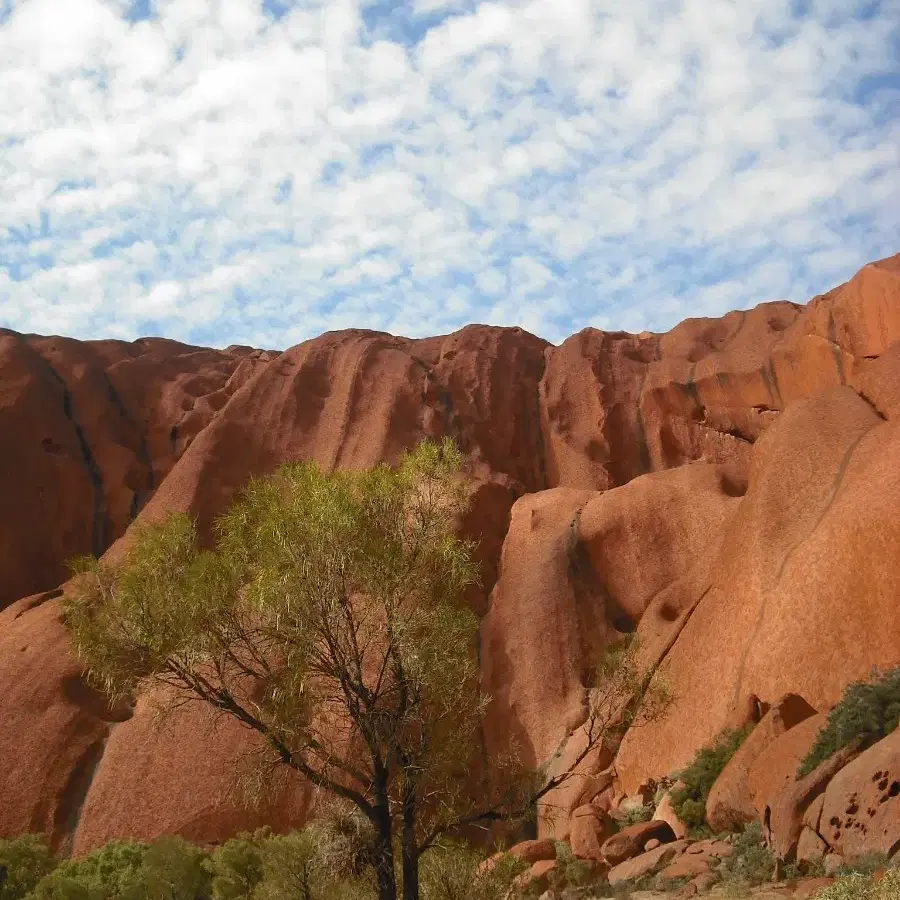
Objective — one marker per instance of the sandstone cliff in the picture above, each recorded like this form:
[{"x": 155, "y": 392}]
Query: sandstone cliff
[{"x": 728, "y": 489}]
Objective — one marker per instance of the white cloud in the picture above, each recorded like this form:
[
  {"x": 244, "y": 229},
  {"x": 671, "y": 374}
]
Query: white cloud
[{"x": 547, "y": 163}]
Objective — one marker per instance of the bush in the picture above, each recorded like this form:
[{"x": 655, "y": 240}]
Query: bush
[
  {"x": 689, "y": 802},
  {"x": 635, "y": 815},
  {"x": 116, "y": 870},
  {"x": 449, "y": 872},
  {"x": 866, "y": 864},
  {"x": 751, "y": 862},
  {"x": 175, "y": 870},
  {"x": 237, "y": 867},
  {"x": 24, "y": 861},
  {"x": 867, "y": 710},
  {"x": 860, "y": 887}
]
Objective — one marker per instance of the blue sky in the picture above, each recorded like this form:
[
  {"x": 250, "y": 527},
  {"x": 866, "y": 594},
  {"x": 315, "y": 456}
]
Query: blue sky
[{"x": 261, "y": 171}]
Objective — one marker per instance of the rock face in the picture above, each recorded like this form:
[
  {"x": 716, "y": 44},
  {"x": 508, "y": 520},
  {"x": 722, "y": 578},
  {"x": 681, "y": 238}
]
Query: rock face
[
  {"x": 861, "y": 808},
  {"x": 729, "y": 805},
  {"x": 727, "y": 490}
]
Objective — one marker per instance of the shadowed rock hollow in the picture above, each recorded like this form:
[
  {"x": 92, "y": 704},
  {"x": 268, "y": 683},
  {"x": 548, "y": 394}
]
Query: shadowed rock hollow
[{"x": 727, "y": 489}]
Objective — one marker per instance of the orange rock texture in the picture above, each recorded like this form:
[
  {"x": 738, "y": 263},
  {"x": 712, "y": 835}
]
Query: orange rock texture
[{"x": 727, "y": 489}]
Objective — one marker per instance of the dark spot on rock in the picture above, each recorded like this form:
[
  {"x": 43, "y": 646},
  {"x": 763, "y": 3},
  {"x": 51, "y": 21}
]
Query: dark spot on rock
[
  {"x": 50, "y": 446},
  {"x": 894, "y": 789},
  {"x": 668, "y": 613}
]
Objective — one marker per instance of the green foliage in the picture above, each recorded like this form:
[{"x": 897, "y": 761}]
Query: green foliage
[
  {"x": 689, "y": 802},
  {"x": 449, "y": 871},
  {"x": 238, "y": 868},
  {"x": 116, "y": 870},
  {"x": 24, "y": 861},
  {"x": 867, "y": 710},
  {"x": 861, "y": 887},
  {"x": 570, "y": 871},
  {"x": 750, "y": 862},
  {"x": 635, "y": 815},
  {"x": 339, "y": 594},
  {"x": 866, "y": 864},
  {"x": 175, "y": 870}
]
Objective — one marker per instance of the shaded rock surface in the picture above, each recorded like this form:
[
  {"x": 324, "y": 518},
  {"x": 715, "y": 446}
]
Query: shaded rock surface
[{"x": 728, "y": 490}]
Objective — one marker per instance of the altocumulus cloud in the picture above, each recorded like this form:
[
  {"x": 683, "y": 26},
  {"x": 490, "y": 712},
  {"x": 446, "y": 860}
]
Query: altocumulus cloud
[{"x": 259, "y": 172}]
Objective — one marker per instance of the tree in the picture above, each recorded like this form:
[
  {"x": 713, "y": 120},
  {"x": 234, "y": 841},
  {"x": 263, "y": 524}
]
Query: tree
[
  {"x": 328, "y": 617},
  {"x": 24, "y": 861}
]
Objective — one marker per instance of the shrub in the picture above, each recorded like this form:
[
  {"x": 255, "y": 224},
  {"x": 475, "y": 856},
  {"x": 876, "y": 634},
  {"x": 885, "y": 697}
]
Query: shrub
[
  {"x": 751, "y": 862},
  {"x": 689, "y": 802},
  {"x": 175, "y": 870},
  {"x": 115, "y": 870},
  {"x": 860, "y": 887},
  {"x": 866, "y": 864},
  {"x": 292, "y": 868},
  {"x": 237, "y": 867},
  {"x": 867, "y": 710},
  {"x": 635, "y": 815},
  {"x": 24, "y": 861},
  {"x": 570, "y": 871},
  {"x": 449, "y": 872}
]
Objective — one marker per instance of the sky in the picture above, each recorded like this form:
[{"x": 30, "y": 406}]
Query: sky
[{"x": 261, "y": 171}]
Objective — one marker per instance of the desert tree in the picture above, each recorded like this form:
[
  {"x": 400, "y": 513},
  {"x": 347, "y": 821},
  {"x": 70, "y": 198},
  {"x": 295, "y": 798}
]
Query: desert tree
[{"x": 327, "y": 613}]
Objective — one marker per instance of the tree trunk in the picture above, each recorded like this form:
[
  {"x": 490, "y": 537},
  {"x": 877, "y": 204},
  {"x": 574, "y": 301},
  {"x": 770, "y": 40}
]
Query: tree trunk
[
  {"x": 384, "y": 845},
  {"x": 410, "y": 849}
]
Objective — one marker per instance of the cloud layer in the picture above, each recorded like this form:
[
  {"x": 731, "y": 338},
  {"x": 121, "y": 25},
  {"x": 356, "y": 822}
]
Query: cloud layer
[{"x": 227, "y": 171}]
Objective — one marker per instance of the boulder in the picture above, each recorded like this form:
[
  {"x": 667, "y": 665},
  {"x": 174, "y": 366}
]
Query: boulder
[
  {"x": 686, "y": 866},
  {"x": 533, "y": 851},
  {"x": 783, "y": 821},
  {"x": 589, "y": 829},
  {"x": 644, "y": 863},
  {"x": 775, "y": 767},
  {"x": 810, "y": 845},
  {"x": 652, "y": 844},
  {"x": 629, "y": 842},
  {"x": 861, "y": 807},
  {"x": 539, "y": 874},
  {"x": 729, "y": 806},
  {"x": 710, "y": 849},
  {"x": 665, "y": 812}
]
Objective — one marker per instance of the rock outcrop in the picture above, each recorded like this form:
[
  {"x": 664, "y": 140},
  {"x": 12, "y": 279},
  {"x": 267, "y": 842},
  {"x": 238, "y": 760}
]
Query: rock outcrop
[{"x": 727, "y": 490}]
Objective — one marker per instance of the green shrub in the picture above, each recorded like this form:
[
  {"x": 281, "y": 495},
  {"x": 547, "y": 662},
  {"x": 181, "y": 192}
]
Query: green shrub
[
  {"x": 689, "y": 802},
  {"x": 570, "y": 871},
  {"x": 860, "y": 887},
  {"x": 114, "y": 871},
  {"x": 867, "y": 710},
  {"x": 237, "y": 867},
  {"x": 449, "y": 872},
  {"x": 866, "y": 864},
  {"x": 173, "y": 869},
  {"x": 24, "y": 861},
  {"x": 636, "y": 815},
  {"x": 751, "y": 862}
]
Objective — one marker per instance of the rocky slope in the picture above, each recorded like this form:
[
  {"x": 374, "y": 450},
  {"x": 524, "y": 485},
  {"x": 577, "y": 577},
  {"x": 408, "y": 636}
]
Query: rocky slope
[{"x": 728, "y": 489}]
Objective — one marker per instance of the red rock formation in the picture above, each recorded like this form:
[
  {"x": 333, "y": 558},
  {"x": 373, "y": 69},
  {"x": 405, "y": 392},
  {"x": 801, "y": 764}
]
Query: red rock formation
[
  {"x": 861, "y": 808},
  {"x": 90, "y": 431},
  {"x": 728, "y": 489},
  {"x": 729, "y": 805}
]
